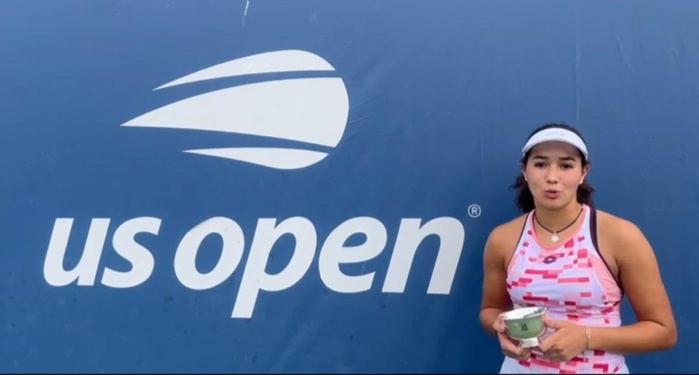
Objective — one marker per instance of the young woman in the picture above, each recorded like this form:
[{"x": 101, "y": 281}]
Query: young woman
[{"x": 575, "y": 260}]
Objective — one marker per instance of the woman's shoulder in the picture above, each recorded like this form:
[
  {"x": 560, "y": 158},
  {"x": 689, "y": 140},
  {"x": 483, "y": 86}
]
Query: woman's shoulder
[
  {"x": 506, "y": 235},
  {"x": 617, "y": 229}
]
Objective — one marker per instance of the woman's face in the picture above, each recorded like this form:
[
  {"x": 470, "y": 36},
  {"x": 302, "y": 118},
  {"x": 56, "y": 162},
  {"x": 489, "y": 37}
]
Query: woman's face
[{"x": 553, "y": 172}]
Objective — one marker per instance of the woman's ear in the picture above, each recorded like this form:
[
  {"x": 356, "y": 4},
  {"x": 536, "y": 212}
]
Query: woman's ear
[{"x": 586, "y": 170}]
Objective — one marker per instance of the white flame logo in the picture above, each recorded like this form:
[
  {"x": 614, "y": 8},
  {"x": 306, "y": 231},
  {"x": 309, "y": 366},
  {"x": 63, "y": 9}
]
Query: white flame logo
[{"x": 310, "y": 110}]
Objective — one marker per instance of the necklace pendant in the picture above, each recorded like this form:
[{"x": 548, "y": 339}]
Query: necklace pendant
[{"x": 554, "y": 237}]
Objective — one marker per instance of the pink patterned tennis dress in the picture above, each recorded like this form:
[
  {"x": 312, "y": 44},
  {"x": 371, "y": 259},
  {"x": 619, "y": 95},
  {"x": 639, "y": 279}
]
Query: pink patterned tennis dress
[{"x": 575, "y": 283}]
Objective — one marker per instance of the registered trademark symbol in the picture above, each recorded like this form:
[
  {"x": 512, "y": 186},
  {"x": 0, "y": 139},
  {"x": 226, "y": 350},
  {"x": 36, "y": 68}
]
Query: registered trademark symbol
[{"x": 474, "y": 210}]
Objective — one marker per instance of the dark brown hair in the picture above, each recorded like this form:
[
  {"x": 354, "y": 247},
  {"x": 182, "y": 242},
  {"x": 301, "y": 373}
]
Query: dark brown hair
[{"x": 524, "y": 199}]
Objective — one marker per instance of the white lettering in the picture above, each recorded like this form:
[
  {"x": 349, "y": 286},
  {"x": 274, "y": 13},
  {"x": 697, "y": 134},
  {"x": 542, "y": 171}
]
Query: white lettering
[
  {"x": 86, "y": 270},
  {"x": 231, "y": 253},
  {"x": 334, "y": 252},
  {"x": 410, "y": 235},
  {"x": 255, "y": 276},
  {"x": 141, "y": 259}
]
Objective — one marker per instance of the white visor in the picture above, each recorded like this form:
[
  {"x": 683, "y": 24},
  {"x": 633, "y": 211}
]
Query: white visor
[{"x": 556, "y": 134}]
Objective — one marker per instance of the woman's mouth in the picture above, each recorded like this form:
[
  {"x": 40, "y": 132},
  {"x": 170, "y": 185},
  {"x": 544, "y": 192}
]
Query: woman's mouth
[{"x": 551, "y": 194}]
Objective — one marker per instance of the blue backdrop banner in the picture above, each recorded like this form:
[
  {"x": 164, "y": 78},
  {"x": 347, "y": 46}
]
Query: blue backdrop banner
[{"x": 307, "y": 186}]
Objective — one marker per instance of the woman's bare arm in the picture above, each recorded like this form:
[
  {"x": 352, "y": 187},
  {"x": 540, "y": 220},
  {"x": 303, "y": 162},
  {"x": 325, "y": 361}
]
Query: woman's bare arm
[
  {"x": 640, "y": 277},
  {"x": 495, "y": 298}
]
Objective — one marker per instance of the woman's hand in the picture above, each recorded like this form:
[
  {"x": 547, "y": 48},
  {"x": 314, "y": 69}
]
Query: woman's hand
[
  {"x": 568, "y": 340},
  {"x": 509, "y": 346}
]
